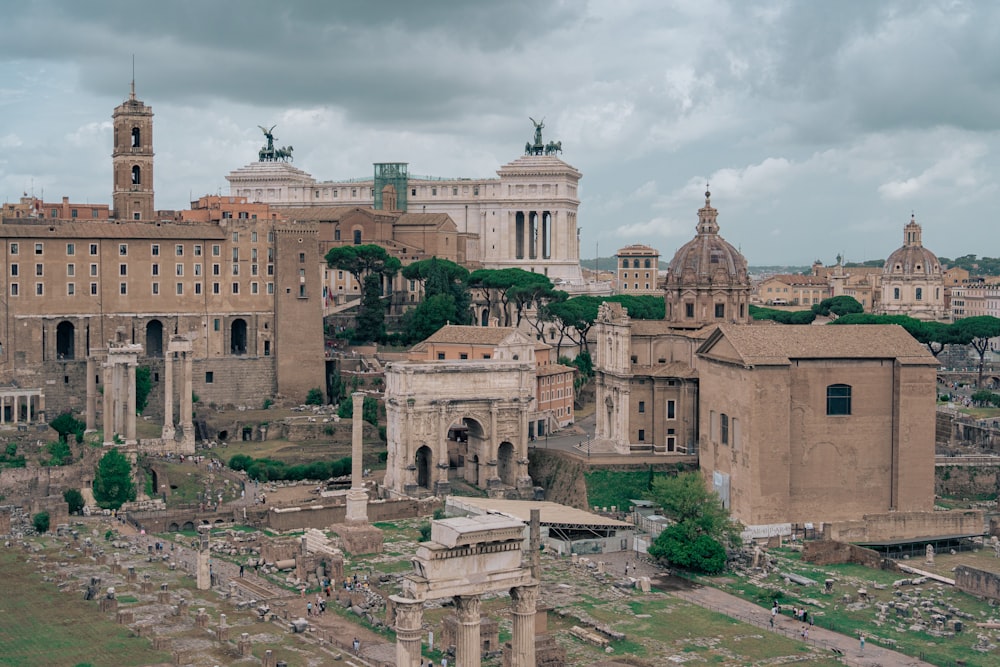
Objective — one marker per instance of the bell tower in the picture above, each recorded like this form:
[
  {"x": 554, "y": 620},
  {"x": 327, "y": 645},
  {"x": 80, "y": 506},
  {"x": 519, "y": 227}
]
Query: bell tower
[{"x": 132, "y": 159}]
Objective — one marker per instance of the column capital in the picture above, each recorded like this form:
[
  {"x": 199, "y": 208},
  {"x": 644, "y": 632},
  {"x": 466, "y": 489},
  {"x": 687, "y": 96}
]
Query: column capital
[
  {"x": 468, "y": 607},
  {"x": 524, "y": 599}
]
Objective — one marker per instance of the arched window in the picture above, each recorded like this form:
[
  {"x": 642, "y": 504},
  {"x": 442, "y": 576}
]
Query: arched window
[
  {"x": 136, "y": 175},
  {"x": 635, "y": 264},
  {"x": 136, "y": 138},
  {"x": 648, "y": 263},
  {"x": 65, "y": 340},
  {"x": 920, "y": 294},
  {"x": 357, "y": 237},
  {"x": 624, "y": 263},
  {"x": 838, "y": 399}
]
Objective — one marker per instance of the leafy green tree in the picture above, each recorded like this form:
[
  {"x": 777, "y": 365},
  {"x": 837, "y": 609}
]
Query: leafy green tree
[
  {"x": 41, "y": 522},
  {"x": 65, "y": 424},
  {"x": 838, "y": 305},
  {"x": 701, "y": 525},
  {"x": 782, "y": 316},
  {"x": 314, "y": 396},
  {"x": 74, "y": 499},
  {"x": 113, "y": 483},
  {"x": 501, "y": 282},
  {"x": 369, "y": 410},
  {"x": 240, "y": 462},
  {"x": 59, "y": 452},
  {"x": 977, "y": 332},
  {"x": 368, "y": 264},
  {"x": 143, "y": 385},
  {"x": 442, "y": 276},
  {"x": 433, "y": 313}
]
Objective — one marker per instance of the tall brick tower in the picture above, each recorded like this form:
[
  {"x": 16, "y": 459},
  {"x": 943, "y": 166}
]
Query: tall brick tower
[{"x": 133, "y": 159}]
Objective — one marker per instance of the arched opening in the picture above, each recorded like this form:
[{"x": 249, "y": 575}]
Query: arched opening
[
  {"x": 505, "y": 464},
  {"x": 423, "y": 461},
  {"x": 485, "y": 319},
  {"x": 136, "y": 138},
  {"x": 188, "y": 525},
  {"x": 357, "y": 237},
  {"x": 223, "y": 435},
  {"x": 136, "y": 175},
  {"x": 65, "y": 335},
  {"x": 173, "y": 528},
  {"x": 238, "y": 336},
  {"x": 466, "y": 441},
  {"x": 154, "y": 338},
  {"x": 218, "y": 521}
]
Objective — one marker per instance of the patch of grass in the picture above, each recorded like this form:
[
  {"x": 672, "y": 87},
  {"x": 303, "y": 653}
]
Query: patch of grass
[{"x": 611, "y": 487}]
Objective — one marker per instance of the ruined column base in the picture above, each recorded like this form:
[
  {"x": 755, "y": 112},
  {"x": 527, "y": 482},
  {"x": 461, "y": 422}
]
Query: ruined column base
[{"x": 359, "y": 538}]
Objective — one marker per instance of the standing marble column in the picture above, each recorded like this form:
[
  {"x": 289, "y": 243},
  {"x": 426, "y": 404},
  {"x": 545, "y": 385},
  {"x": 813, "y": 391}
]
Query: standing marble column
[
  {"x": 91, "y": 394},
  {"x": 108, "y": 418},
  {"x": 357, "y": 498},
  {"x": 409, "y": 622},
  {"x": 523, "y": 607},
  {"x": 17, "y": 409},
  {"x": 3, "y": 410},
  {"x": 468, "y": 644},
  {"x": 168, "y": 397},
  {"x": 187, "y": 401},
  {"x": 130, "y": 406}
]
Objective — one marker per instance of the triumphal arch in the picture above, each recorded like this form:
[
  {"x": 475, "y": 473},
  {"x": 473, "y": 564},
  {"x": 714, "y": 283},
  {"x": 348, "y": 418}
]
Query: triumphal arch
[{"x": 480, "y": 405}]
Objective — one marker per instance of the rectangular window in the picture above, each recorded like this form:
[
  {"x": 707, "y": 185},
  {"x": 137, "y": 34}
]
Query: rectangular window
[
  {"x": 642, "y": 435},
  {"x": 70, "y": 289},
  {"x": 197, "y": 250},
  {"x": 642, "y": 406},
  {"x": 70, "y": 248},
  {"x": 724, "y": 428},
  {"x": 215, "y": 288},
  {"x": 236, "y": 288},
  {"x": 123, "y": 269},
  {"x": 13, "y": 269},
  {"x": 253, "y": 269},
  {"x": 440, "y": 355},
  {"x": 123, "y": 288},
  {"x": 463, "y": 356},
  {"x": 253, "y": 238},
  {"x": 93, "y": 269},
  {"x": 156, "y": 288},
  {"x": 236, "y": 269},
  {"x": 254, "y": 288},
  {"x": 122, "y": 249},
  {"x": 71, "y": 269},
  {"x": 179, "y": 250},
  {"x": 688, "y": 310},
  {"x": 39, "y": 289},
  {"x": 39, "y": 268},
  {"x": 93, "y": 248},
  {"x": 209, "y": 377},
  {"x": 270, "y": 269},
  {"x": 197, "y": 269},
  {"x": 838, "y": 399},
  {"x": 216, "y": 250},
  {"x": 156, "y": 269},
  {"x": 14, "y": 289},
  {"x": 216, "y": 324},
  {"x": 14, "y": 248},
  {"x": 270, "y": 238},
  {"x": 270, "y": 288},
  {"x": 302, "y": 258},
  {"x": 253, "y": 253},
  {"x": 236, "y": 254},
  {"x": 216, "y": 269},
  {"x": 180, "y": 288},
  {"x": 236, "y": 237},
  {"x": 38, "y": 248},
  {"x": 197, "y": 288},
  {"x": 154, "y": 250},
  {"x": 720, "y": 310},
  {"x": 93, "y": 289},
  {"x": 179, "y": 270}
]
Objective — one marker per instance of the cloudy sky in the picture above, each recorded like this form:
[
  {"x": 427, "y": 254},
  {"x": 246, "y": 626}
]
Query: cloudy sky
[{"x": 820, "y": 125}]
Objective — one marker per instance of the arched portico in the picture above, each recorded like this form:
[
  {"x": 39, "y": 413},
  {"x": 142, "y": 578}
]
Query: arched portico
[{"x": 475, "y": 409}]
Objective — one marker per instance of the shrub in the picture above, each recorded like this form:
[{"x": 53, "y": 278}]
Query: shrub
[
  {"x": 74, "y": 499},
  {"x": 315, "y": 396},
  {"x": 268, "y": 403},
  {"x": 41, "y": 522},
  {"x": 240, "y": 462},
  {"x": 65, "y": 424},
  {"x": 113, "y": 481},
  {"x": 59, "y": 452},
  {"x": 425, "y": 532},
  {"x": 439, "y": 514}
]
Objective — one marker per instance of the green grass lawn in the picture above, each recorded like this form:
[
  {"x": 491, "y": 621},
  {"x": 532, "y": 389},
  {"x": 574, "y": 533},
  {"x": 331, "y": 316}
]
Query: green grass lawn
[{"x": 32, "y": 636}]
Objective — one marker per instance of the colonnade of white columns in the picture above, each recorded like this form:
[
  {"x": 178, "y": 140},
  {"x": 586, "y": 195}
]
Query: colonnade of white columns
[{"x": 33, "y": 400}]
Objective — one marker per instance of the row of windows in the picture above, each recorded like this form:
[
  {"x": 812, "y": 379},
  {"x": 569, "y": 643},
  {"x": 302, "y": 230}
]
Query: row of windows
[
  {"x": 625, "y": 275},
  {"x": 154, "y": 248},
  {"x": 919, "y": 294},
  {"x": 635, "y": 264},
  {"x": 15, "y": 270},
  {"x": 671, "y": 408},
  {"x": 15, "y": 288}
]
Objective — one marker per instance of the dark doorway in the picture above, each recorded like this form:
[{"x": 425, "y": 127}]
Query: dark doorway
[
  {"x": 505, "y": 464},
  {"x": 154, "y": 338},
  {"x": 423, "y": 463},
  {"x": 65, "y": 340},
  {"x": 238, "y": 337}
]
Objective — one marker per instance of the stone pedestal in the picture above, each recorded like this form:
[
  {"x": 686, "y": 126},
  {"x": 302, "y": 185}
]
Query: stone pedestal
[
  {"x": 467, "y": 644},
  {"x": 244, "y": 646},
  {"x": 125, "y": 617},
  {"x": 182, "y": 607},
  {"x": 108, "y": 605},
  {"x": 163, "y": 595},
  {"x": 145, "y": 586},
  {"x": 201, "y": 619},
  {"x": 361, "y": 538},
  {"x": 222, "y": 632},
  {"x": 130, "y": 575},
  {"x": 409, "y": 620},
  {"x": 357, "y": 497},
  {"x": 268, "y": 660}
]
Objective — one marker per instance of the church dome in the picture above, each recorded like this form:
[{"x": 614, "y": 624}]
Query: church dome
[
  {"x": 912, "y": 259},
  {"x": 707, "y": 258}
]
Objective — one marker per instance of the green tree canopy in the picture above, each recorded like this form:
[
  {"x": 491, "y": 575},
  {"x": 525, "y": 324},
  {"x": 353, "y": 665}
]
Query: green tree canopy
[
  {"x": 362, "y": 260},
  {"x": 497, "y": 284},
  {"x": 977, "y": 332},
  {"x": 701, "y": 525},
  {"x": 65, "y": 424},
  {"x": 433, "y": 313},
  {"x": 74, "y": 499},
  {"x": 113, "y": 483},
  {"x": 782, "y": 316},
  {"x": 838, "y": 305},
  {"x": 143, "y": 385}
]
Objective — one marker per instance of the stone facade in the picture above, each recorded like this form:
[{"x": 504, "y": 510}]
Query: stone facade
[
  {"x": 816, "y": 424},
  {"x": 490, "y": 398},
  {"x": 526, "y": 218},
  {"x": 638, "y": 270}
]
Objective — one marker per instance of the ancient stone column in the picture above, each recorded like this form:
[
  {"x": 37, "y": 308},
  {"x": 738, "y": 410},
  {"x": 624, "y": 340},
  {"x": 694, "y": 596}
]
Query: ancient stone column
[
  {"x": 523, "y": 606},
  {"x": 130, "y": 406},
  {"x": 357, "y": 498},
  {"x": 91, "y": 394},
  {"x": 204, "y": 575},
  {"x": 468, "y": 642},
  {"x": 187, "y": 426},
  {"x": 409, "y": 619},
  {"x": 168, "y": 396}
]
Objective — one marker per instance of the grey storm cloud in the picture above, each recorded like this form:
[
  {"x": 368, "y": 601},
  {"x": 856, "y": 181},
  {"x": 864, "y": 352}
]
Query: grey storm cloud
[{"x": 830, "y": 121}]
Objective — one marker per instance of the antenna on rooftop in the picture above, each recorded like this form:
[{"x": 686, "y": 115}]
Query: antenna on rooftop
[{"x": 132, "y": 92}]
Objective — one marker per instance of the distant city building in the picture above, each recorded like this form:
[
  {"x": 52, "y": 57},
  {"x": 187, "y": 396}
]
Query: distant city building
[
  {"x": 526, "y": 218},
  {"x": 637, "y": 270},
  {"x": 33, "y": 207},
  {"x": 912, "y": 280},
  {"x": 793, "y": 290}
]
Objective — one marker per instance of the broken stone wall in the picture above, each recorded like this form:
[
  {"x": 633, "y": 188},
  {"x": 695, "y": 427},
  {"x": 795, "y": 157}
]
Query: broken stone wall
[
  {"x": 828, "y": 552},
  {"x": 977, "y": 582}
]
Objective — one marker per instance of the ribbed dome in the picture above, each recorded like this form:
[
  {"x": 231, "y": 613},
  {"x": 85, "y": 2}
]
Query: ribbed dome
[
  {"x": 913, "y": 259},
  {"x": 707, "y": 258}
]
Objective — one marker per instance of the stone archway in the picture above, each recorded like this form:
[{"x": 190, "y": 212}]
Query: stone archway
[
  {"x": 154, "y": 338},
  {"x": 65, "y": 340},
  {"x": 506, "y": 463},
  {"x": 423, "y": 460},
  {"x": 481, "y": 405}
]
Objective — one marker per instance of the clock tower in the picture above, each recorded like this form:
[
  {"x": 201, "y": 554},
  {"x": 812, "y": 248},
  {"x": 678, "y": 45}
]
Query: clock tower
[{"x": 133, "y": 159}]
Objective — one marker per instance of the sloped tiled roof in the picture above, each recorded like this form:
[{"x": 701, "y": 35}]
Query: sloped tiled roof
[
  {"x": 454, "y": 333},
  {"x": 113, "y": 230},
  {"x": 778, "y": 345},
  {"x": 795, "y": 279}
]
